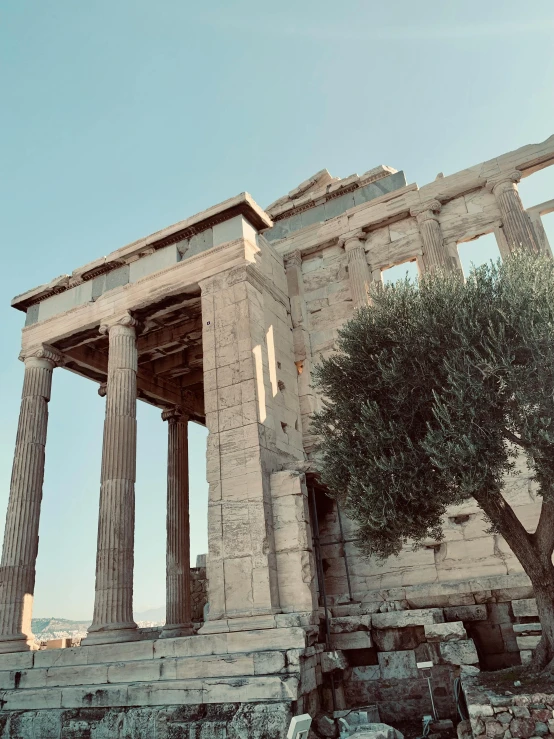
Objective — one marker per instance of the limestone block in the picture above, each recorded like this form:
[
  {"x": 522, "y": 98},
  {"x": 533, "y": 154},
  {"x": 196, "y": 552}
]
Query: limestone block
[
  {"x": 17, "y": 660},
  {"x": 464, "y": 730},
  {"x": 453, "y": 631},
  {"x": 270, "y": 720},
  {"x": 526, "y": 656},
  {"x": 251, "y": 622},
  {"x": 461, "y": 652},
  {"x": 7, "y": 680},
  {"x": 394, "y": 640},
  {"x": 528, "y": 642},
  {"x": 137, "y": 671},
  {"x": 367, "y": 672},
  {"x": 466, "y": 613},
  {"x": 62, "y": 676},
  {"x": 175, "y": 692},
  {"x": 398, "y": 665},
  {"x": 296, "y": 578},
  {"x": 34, "y": 700},
  {"x": 335, "y": 660},
  {"x": 343, "y": 624},
  {"x": 398, "y": 619},
  {"x": 527, "y": 629},
  {"x": 352, "y": 640},
  {"x": 525, "y": 608},
  {"x": 262, "y": 641},
  {"x": 252, "y": 689},
  {"x": 205, "y": 667},
  {"x": 191, "y": 646},
  {"x": 267, "y": 663}
]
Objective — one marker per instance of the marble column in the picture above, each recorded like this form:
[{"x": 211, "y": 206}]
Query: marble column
[
  {"x": 516, "y": 224},
  {"x": 113, "y": 604},
  {"x": 178, "y": 620},
  {"x": 358, "y": 269},
  {"x": 19, "y": 554},
  {"x": 434, "y": 253}
]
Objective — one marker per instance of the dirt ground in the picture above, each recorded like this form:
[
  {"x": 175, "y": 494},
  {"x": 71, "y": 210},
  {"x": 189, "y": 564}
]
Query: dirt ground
[{"x": 502, "y": 681}]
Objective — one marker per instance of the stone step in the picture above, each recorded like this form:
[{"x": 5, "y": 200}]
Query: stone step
[
  {"x": 172, "y": 668},
  {"x": 169, "y": 692},
  {"x": 185, "y": 646}
]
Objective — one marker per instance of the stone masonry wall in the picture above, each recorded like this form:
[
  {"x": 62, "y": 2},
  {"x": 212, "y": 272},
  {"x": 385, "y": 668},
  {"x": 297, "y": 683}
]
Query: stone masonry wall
[
  {"x": 326, "y": 298},
  {"x": 217, "y": 721},
  {"x": 492, "y": 714}
]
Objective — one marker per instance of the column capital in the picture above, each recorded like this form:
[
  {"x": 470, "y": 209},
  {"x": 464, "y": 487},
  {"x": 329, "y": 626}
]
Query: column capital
[
  {"x": 293, "y": 259},
  {"x": 504, "y": 181},
  {"x": 43, "y": 351},
  {"x": 352, "y": 240},
  {"x": 428, "y": 210},
  {"x": 175, "y": 414},
  {"x": 126, "y": 320}
]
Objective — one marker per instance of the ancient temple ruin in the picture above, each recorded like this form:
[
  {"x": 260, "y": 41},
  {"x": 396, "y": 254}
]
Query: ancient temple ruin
[{"x": 219, "y": 320}]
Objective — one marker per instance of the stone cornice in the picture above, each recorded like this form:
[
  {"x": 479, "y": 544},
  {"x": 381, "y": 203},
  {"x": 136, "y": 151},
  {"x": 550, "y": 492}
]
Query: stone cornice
[{"x": 242, "y": 204}]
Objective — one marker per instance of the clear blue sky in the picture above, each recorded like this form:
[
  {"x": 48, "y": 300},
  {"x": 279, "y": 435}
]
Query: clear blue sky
[{"x": 119, "y": 118}]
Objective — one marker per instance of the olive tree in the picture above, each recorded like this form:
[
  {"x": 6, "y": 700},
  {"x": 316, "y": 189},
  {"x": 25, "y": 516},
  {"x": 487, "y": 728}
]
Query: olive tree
[{"x": 434, "y": 390}]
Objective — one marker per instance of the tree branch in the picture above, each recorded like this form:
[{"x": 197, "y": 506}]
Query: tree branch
[
  {"x": 515, "y": 439},
  {"x": 518, "y": 539}
]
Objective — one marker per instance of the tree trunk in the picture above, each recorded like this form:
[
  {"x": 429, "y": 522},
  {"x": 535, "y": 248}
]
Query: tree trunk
[
  {"x": 544, "y": 595},
  {"x": 534, "y": 551}
]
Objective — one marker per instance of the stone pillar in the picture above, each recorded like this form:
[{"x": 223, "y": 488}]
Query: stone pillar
[
  {"x": 19, "y": 554},
  {"x": 434, "y": 253},
  {"x": 113, "y": 604},
  {"x": 515, "y": 221},
  {"x": 241, "y": 565},
  {"x": 178, "y": 620},
  {"x": 301, "y": 345},
  {"x": 358, "y": 270}
]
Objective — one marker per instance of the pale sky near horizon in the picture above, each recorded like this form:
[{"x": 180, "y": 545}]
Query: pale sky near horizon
[{"x": 119, "y": 118}]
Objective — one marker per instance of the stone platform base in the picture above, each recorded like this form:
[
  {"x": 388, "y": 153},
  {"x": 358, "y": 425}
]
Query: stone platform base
[
  {"x": 219, "y": 721},
  {"x": 236, "y": 684}
]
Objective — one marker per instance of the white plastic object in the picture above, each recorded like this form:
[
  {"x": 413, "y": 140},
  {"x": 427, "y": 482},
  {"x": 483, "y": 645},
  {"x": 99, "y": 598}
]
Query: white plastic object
[{"x": 299, "y": 726}]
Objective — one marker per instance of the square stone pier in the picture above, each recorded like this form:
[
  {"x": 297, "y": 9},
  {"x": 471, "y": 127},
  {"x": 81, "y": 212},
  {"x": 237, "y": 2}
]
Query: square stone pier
[{"x": 195, "y": 320}]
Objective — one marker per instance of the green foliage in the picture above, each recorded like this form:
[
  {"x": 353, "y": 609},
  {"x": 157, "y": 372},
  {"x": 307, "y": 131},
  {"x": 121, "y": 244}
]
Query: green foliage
[{"x": 433, "y": 390}]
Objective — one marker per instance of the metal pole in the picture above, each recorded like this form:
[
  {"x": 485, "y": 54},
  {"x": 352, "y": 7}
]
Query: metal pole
[{"x": 344, "y": 554}]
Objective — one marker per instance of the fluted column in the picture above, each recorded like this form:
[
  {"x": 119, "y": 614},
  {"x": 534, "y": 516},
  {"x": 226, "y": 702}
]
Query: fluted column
[
  {"x": 178, "y": 620},
  {"x": 19, "y": 553},
  {"x": 113, "y": 603},
  {"x": 516, "y": 224},
  {"x": 358, "y": 269},
  {"x": 426, "y": 215}
]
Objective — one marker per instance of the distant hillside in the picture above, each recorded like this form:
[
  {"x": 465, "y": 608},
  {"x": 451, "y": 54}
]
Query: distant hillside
[{"x": 58, "y": 628}]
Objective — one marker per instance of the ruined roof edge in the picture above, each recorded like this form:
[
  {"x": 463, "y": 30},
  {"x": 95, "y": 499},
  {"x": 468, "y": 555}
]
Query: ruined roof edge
[{"x": 243, "y": 203}]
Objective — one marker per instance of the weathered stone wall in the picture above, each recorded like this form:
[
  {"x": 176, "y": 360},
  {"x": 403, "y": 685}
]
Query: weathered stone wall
[
  {"x": 494, "y": 714},
  {"x": 393, "y": 228},
  {"x": 217, "y": 721},
  {"x": 466, "y": 552}
]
